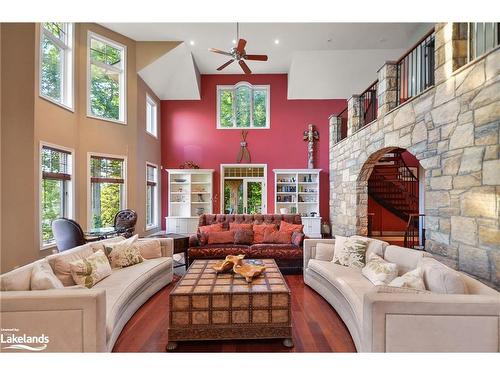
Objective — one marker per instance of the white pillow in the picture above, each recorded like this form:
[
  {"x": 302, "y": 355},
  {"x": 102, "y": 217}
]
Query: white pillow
[
  {"x": 379, "y": 271},
  {"x": 352, "y": 253},
  {"x": 89, "y": 271},
  {"x": 43, "y": 277},
  {"x": 412, "y": 279},
  {"x": 324, "y": 251},
  {"x": 124, "y": 253},
  {"x": 439, "y": 278}
]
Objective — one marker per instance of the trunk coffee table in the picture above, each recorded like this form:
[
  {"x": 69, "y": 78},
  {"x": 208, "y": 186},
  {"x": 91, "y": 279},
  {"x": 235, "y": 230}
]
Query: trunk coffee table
[{"x": 205, "y": 305}]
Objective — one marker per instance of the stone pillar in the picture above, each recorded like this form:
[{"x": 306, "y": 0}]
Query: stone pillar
[
  {"x": 387, "y": 87},
  {"x": 450, "y": 46},
  {"x": 335, "y": 125},
  {"x": 354, "y": 118}
]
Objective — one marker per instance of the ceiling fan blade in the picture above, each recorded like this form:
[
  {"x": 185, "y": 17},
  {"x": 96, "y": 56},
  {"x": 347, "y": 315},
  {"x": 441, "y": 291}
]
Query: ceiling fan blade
[
  {"x": 219, "y": 51},
  {"x": 256, "y": 57},
  {"x": 224, "y": 65},
  {"x": 245, "y": 67},
  {"x": 241, "y": 46}
]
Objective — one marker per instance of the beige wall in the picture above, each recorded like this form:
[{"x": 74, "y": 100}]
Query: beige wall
[{"x": 44, "y": 121}]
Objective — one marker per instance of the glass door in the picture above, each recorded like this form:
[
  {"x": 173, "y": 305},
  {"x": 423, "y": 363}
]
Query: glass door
[
  {"x": 252, "y": 196},
  {"x": 244, "y": 195}
]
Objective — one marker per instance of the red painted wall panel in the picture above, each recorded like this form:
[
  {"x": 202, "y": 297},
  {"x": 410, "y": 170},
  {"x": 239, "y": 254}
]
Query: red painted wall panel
[{"x": 189, "y": 133}]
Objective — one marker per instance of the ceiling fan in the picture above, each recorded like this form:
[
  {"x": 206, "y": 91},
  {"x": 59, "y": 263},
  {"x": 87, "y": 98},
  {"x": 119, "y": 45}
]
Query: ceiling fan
[{"x": 239, "y": 54}]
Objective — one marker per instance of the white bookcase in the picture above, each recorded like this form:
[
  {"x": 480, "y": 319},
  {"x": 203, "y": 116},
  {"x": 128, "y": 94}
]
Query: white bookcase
[
  {"x": 190, "y": 194},
  {"x": 296, "y": 191}
]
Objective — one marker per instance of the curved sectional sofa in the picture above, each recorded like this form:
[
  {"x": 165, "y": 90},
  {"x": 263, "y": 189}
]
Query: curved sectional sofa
[
  {"x": 381, "y": 321},
  {"x": 76, "y": 319}
]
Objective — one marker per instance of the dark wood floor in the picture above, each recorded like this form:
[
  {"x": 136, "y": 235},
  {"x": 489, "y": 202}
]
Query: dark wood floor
[{"x": 316, "y": 327}]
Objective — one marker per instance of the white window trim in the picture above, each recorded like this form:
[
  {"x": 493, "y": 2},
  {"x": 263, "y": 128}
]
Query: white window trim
[
  {"x": 157, "y": 198},
  {"x": 153, "y": 102},
  {"x": 71, "y": 198},
  {"x": 123, "y": 80},
  {"x": 252, "y": 87},
  {"x": 68, "y": 95},
  {"x": 89, "y": 185}
]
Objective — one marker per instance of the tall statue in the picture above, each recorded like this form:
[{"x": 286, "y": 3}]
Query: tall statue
[{"x": 311, "y": 135}]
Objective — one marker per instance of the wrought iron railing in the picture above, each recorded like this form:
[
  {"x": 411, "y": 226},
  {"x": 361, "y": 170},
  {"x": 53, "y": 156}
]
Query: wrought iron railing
[
  {"x": 415, "y": 232},
  {"x": 342, "y": 126},
  {"x": 368, "y": 103},
  {"x": 415, "y": 69}
]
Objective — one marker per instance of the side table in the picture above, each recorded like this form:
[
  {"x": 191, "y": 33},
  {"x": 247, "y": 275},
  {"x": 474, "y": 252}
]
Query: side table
[{"x": 181, "y": 245}]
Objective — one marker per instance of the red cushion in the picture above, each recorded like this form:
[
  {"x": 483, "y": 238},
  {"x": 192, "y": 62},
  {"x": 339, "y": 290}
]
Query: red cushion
[
  {"x": 258, "y": 231},
  {"x": 243, "y": 237},
  {"x": 236, "y": 226},
  {"x": 220, "y": 237},
  {"x": 271, "y": 236},
  {"x": 287, "y": 227},
  {"x": 211, "y": 228}
]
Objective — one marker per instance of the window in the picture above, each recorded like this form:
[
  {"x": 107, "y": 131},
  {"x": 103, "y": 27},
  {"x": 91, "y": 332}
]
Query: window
[
  {"x": 151, "y": 116},
  {"x": 55, "y": 190},
  {"x": 107, "y": 190},
  {"x": 483, "y": 37},
  {"x": 243, "y": 106},
  {"x": 107, "y": 94},
  {"x": 56, "y": 62},
  {"x": 151, "y": 196}
]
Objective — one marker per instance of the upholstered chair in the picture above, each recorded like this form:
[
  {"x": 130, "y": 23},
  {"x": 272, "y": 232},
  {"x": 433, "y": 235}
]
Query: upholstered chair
[{"x": 125, "y": 221}]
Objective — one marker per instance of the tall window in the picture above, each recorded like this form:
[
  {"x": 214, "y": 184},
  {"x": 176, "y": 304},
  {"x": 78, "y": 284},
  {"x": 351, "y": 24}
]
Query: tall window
[
  {"x": 56, "y": 189},
  {"x": 56, "y": 62},
  {"x": 107, "y": 93},
  {"x": 151, "y": 196},
  {"x": 243, "y": 106},
  {"x": 483, "y": 37},
  {"x": 151, "y": 116},
  {"x": 107, "y": 189}
]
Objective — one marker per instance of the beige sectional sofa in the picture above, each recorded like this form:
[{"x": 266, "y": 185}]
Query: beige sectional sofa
[
  {"x": 77, "y": 319},
  {"x": 381, "y": 321}
]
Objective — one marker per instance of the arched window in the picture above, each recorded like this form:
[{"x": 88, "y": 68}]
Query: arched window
[{"x": 243, "y": 106}]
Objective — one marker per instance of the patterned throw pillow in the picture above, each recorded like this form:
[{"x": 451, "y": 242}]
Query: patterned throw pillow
[
  {"x": 224, "y": 237},
  {"x": 379, "y": 271},
  {"x": 243, "y": 237},
  {"x": 124, "y": 253},
  {"x": 287, "y": 227},
  {"x": 89, "y": 271},
  {"x": 298, "y": 238},
  {"x": 412, "y": 279},
  {"x": 352, "y": 254},
  {"x": 273, "y": 236},
  {"x": 258, "y": 231}
]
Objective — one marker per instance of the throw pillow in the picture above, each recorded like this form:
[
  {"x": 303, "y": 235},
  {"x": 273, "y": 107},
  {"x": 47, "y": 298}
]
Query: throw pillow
[
  {"x": 243, "y": 236},
  {"x": 124, "y": 253},
  {"x": 274, "y": 236},
  {"x": 298, "y": 238},
  {"x": 439, "y": 278},
  {"x": 236, "y": 226},
  {"x": 89, "y": 271},
  {"x": 379, "y": 271},
  {"x": 258, "y": 231},
  {"x": 412, "y": 279},
  {"x": 211, "y": 228},
  {"x": 324, "y": 251},
  {"x": 352, "y": 254},
  {"x": 61, "y": 262},
  {"x": 287, "y": 227},
  {"x": 220, "y": 237},
  {"x": 395, "y": 289},
  {"x": 42, "y": 277},
  {"x": 149, "y": 249}
]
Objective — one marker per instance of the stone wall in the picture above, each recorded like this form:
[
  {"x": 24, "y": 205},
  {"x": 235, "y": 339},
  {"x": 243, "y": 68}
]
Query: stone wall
[{"x": 453, "y": 130}]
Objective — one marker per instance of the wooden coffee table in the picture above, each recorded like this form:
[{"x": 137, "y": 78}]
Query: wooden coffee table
[{"x": 205, "y": 305}]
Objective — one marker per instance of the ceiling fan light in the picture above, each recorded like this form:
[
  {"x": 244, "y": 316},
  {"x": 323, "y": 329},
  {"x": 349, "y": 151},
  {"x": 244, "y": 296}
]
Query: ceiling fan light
[{"x": 276, "y": 41}]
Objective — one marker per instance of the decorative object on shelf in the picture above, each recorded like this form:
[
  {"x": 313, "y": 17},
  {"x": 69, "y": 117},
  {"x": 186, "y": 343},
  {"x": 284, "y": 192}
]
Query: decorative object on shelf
[
  {"x": 200, "y": 198},
  {"x": 179, "y": 180},
  {"x": 200, "y": 211},
  {"x": 243, "y": 154},
  {"x": 325, "y": 228},
  {"x": 314, "y": 214},
  {"x": 309, "y": 179},
  {"x": 189, "y": 165},
  {"x": 284, "y": 211},
  {"x": 311, "y": 135}
]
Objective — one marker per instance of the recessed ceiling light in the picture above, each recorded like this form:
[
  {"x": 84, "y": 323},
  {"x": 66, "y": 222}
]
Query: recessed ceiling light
[
  {"x": 191, "y": 42},
  {"x": 234, "y": 41},
  {"x": 276, "y": 41}
]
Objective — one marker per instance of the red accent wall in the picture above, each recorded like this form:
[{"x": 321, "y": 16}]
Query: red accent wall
[{"x": 189, "y": 133}]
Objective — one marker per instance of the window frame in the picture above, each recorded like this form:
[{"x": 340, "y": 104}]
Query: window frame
[
  {"x": 233, "y": 88},
  {"x": 472, "y": 31},
  {"x": 154, "y": 103},
  {"x": 123, "y": 78},
  {"x": 70, "y": 214},
  {"x": 89, "y": 182},
  {"x": 68, "y": 75},
  {"x": 156, "y": 196}
]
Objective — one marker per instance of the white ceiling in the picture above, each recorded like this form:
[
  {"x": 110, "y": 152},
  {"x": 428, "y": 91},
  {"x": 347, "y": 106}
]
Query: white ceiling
[{"x": 294, "y": 39}]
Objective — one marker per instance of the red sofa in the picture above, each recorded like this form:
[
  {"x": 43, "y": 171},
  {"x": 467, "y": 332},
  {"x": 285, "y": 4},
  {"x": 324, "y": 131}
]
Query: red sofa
[{"x": 289, "y": 257}]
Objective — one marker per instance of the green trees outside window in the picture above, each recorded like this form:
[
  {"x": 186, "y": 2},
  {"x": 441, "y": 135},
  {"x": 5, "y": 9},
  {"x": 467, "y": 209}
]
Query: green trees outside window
[{"x": 243, "y": 106}]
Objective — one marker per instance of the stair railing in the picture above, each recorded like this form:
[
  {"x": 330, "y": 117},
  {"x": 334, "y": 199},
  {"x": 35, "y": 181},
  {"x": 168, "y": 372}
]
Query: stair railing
[{"x": 415, "y": 232}]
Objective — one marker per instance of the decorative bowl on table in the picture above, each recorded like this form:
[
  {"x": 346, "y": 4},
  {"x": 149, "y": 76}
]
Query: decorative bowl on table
[
  {"x": 179, "y": 180},
  {"x": 228, "y": 263},
  {"x": 248, "y": 271}
]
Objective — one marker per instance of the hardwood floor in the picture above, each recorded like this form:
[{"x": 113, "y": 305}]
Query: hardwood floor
[{"x": 316, "y": 327}]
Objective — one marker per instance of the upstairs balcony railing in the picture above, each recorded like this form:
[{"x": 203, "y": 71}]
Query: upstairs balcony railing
[
  {"x": 415, "y": 69},
  {"x": 368, "y": 103},
  {"x": 343, "y": 124}
]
